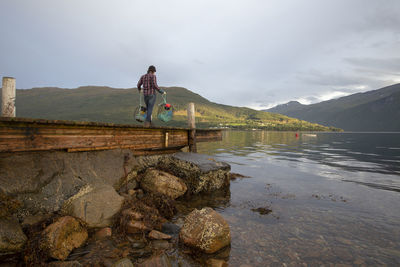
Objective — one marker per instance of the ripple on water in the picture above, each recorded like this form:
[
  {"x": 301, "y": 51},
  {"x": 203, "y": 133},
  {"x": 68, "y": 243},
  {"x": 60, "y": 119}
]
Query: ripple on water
[{"x": 316, "y": 218}]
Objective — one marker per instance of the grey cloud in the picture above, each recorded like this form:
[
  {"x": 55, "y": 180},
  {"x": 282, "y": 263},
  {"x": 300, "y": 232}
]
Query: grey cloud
[
  {"x": 247, "y": 53},
  {"x": 383, "y": 16},
  {"x": 329, "y": 79},
  {"x": 383, "y": 65}
]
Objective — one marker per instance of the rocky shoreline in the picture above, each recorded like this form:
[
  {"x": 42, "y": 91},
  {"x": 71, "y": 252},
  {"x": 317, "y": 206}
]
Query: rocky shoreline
[{"x": 110, "y": 208}]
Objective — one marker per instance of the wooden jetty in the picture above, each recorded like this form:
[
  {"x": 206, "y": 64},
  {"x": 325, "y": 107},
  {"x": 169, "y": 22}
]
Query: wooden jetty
[{"x": 22, "y": 134}]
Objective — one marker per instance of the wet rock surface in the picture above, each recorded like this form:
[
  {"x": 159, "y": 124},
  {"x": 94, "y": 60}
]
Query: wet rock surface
[
  {"x": 201, "y": 173},
  {"x": 205, "y": 230},
  {"x": 12, "y": 238},
  {"x": 156, "y": 181},
  {"x": 94, "y": 204}
]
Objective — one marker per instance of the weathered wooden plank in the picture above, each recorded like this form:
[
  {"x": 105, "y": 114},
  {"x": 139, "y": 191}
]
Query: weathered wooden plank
[
  {"x": 142, "y": 151},
  {"x": 34, "y": 135},
  {"x": 42, "y": 143},
  {"x": 156, "y": 152}
]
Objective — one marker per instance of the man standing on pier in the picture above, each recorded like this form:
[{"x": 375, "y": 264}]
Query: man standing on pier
[{"x": 149, "y": 82}]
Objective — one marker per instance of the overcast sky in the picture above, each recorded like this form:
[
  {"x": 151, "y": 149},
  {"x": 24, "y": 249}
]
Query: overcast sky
[{"x": 246, "y": 53}]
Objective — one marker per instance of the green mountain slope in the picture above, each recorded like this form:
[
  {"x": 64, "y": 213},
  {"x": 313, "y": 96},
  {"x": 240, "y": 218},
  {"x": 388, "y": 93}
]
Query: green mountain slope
[
  {"x": 105, "y": 104},
  {"x": 377, "y": 110}
]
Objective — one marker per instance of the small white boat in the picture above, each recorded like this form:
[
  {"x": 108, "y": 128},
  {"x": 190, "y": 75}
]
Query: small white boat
[{"x": 309, "y": 135}]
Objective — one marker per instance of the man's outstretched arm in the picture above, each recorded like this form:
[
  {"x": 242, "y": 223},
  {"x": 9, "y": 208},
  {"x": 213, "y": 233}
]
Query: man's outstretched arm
[{"x": 161, "y": 91}]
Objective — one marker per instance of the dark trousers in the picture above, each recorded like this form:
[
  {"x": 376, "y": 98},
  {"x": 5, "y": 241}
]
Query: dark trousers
[{"x": 149, "y": 100}]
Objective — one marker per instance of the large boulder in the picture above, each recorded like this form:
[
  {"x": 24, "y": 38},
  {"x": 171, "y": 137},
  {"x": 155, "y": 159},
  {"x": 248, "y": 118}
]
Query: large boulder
[
  {"x": 205, "y": 230},
  {"x": 62, "y": 236},
  {"x": 29, "y": 171},
  {"x": 94, "y": 204},
  {"x": 43, "y": 180},
  {"x": 156, "y": 181},
  {"x": 12, "y": 239},
  {"x": 201, "y": 173}
]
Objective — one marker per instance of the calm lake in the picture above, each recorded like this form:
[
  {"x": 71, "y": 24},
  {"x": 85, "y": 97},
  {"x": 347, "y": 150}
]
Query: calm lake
[{"x": 325, "y": 199}]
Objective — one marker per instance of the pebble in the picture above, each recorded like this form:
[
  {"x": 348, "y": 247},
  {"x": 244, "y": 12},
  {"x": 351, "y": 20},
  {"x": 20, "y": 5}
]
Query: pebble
[
  {"x": 134, "y": 227},
  {"x": 103, "y": 233},
  {"x": 154, "y": 234}
]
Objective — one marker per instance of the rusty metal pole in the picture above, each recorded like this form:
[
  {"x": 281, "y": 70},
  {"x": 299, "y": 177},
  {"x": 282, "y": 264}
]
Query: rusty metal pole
[
  {"x": 8, "y": 97},
  {"x": 192, "y": 126}
]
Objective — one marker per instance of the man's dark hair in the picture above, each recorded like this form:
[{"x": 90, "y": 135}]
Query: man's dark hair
[{"x": 151, "y": 69}]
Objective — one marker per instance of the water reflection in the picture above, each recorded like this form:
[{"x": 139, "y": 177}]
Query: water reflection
[
  {"x": 352, "y": 152},
  {"x": 317, "y": 217}
]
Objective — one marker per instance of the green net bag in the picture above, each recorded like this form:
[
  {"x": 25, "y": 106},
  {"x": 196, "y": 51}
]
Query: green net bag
[
  {"x": 165, "y": 111},
  {"x": 140, "y": 113}
]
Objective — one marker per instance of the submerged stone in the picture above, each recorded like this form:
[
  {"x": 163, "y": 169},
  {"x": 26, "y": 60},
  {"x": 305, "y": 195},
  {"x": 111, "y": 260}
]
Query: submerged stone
[
  {"x": 156, "y": 261},
  {"x": 201, "y": 173},
  {"x": 205, "y": 230}
]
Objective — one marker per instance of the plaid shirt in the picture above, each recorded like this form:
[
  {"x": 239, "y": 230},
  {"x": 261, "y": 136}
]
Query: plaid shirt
[{"x": 149, "y": 82}]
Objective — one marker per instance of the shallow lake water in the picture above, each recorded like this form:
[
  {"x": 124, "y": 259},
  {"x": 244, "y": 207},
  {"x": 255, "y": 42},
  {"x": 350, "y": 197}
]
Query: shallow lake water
[{"x": 330, "y": 199}]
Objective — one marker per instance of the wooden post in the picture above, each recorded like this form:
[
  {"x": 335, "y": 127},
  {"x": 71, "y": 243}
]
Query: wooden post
[
  {"x": 192, "y": 125},
  {"x": 8, "y": 97}
]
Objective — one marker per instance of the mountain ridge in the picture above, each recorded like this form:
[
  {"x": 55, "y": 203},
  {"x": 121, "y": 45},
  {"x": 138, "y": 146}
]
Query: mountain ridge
[
  {"x": 373, "y": 110},
  {"x": 107, "y": 104}
]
